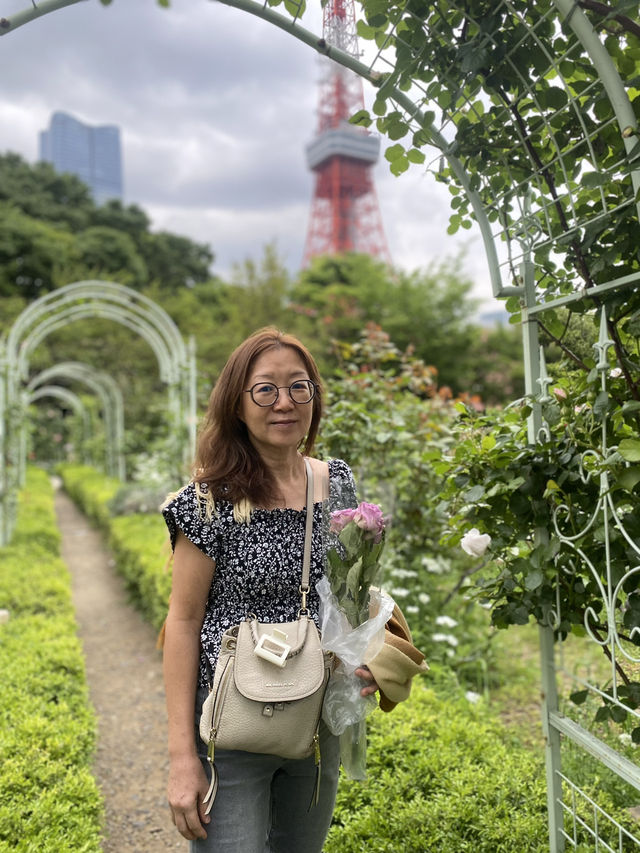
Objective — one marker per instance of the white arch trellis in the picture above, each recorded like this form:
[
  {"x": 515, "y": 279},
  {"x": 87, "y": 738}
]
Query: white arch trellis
[
  {"x": 550, "y": 205},
  {"x": 71, "y": 399},
  {"x": 91, "y": 299},
  {"x": 106, "y": 389}
]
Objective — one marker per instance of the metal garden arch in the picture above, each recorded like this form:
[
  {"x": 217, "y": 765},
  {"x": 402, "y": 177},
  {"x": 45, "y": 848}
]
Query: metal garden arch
[
  {"x": 112, "y": 405},
  {"x": 449, "y": 78},
  {"x": 71, "y": 399},
  {"x": 88, "y": 299}
]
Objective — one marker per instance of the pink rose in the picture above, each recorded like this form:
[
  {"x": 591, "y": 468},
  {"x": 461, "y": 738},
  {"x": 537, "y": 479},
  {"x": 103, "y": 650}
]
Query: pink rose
[
  {"x": 340, "y": 518},
  {"x": 369, "y": 518}
]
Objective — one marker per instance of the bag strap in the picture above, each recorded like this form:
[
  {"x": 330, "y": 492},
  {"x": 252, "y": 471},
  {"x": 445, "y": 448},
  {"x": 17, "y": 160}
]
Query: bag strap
[{"x": 306, "y": 561}]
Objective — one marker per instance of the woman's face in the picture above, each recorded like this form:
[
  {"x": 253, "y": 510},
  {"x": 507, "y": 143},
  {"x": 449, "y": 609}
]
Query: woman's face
[{"x": 283, "y": 425}]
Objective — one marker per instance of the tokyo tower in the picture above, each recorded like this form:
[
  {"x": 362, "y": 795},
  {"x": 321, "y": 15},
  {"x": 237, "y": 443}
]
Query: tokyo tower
[{"x": 345, "y": 216}]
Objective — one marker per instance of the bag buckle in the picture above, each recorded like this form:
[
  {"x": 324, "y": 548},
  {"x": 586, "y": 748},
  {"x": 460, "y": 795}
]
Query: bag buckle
[{"x": 272, "y": 647}]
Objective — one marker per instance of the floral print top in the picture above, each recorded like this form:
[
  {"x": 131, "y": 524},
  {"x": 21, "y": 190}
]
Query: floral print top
[{"x": 259, "y": 564}]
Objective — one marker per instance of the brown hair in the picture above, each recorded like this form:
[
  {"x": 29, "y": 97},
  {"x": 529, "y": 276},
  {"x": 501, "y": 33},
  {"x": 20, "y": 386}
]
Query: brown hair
[{"x": 226, "y": 460}]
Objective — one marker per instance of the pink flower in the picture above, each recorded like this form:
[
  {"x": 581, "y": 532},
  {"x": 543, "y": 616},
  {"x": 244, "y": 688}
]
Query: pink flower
[
  {"x": 340, "y": 518},
  {"x": 369, "y": 518}
]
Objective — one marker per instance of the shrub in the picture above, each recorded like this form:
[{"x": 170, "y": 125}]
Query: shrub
[
  {"x": 139, "y": 543},
  {"x": 50, "y": 801},
  {"x": 91, "y": 490},
  {"x": 444, "y": 775}
]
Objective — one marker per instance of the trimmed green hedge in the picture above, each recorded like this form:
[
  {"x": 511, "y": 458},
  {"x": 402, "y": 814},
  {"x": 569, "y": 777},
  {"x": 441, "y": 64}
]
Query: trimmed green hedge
[
  {"x": 447, "y": 776},
  {"x": 49, "y": 800},
  {"x": 139, "y": 543}
]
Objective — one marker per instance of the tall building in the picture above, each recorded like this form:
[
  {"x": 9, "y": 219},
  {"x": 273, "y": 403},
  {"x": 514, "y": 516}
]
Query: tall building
[
  {"x": 344, "y": 213},
  {"x": 91, "y": 153}
]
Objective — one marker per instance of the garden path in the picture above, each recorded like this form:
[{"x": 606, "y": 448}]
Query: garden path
[{"x": 124, "y": 675}]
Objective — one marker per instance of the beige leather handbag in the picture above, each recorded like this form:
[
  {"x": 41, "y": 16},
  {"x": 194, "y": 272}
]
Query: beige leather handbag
[{"x": 269, "y": 683}]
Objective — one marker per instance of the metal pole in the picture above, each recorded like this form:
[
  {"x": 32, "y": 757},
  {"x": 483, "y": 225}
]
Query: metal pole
[{"x": 552, "y": 740}]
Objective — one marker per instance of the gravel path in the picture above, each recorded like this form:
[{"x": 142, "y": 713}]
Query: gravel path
[{"x": 124, "y": 675}]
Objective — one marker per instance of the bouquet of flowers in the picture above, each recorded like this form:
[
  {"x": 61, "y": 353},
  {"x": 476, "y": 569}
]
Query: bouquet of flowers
[
  {"x": 353, "y": 616},
  {"x": 356, "y": 568}
]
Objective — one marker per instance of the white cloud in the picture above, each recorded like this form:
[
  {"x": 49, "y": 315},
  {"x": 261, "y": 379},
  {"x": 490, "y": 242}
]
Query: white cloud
[{"x": 215, "y": 108}]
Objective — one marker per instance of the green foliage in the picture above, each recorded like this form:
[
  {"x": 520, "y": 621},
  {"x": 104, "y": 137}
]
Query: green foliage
[
  {"x": 108, "y": 253},
  {"x": 50, "y": 800},
  {"x": 91, "y": 490},
  {"x": 445, "y": 775},
  {"x": 512, "y": 86},
  {"x": 387, "y": 419},
  {"x": 141, "y": 549},
  {"x": 33, "y": 253},
  {"x": 53, "y": 233},
  {"x": 427, "y": 311},
  {"x": 562, "y": 510},
  {"x": 139, "y": 542}
]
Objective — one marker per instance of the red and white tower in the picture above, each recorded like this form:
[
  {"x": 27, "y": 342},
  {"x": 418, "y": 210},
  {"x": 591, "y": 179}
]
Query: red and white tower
[{"x": 345, "y": 216}]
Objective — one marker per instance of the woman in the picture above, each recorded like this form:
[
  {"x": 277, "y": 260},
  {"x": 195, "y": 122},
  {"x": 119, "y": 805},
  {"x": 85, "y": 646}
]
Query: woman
[{"x": 237, "y": 531}]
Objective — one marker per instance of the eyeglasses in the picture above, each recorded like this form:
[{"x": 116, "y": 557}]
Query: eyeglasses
[{"x": 266, "y": 393}]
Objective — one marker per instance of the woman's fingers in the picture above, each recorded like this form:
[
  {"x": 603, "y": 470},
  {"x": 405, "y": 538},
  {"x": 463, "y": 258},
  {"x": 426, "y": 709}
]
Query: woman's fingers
[
  {"x": 188, "y": 823},
  {"x": 365, "y": 673},
  {"x": 187, "y": 787}
]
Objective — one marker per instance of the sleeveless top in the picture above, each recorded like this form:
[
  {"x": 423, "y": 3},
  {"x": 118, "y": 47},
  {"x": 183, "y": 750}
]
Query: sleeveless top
[{"x": 258, "y": 564}]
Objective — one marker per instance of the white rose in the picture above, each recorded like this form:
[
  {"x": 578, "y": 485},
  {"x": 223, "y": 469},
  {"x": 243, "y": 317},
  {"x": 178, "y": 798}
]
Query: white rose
[{"x": 475, "y": 543}]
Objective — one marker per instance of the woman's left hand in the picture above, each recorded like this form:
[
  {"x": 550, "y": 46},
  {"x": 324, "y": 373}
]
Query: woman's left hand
[{"x": 365, "y": 674}]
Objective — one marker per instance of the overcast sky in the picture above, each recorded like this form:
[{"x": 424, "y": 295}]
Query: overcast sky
[{"x": 215, "y": 108}]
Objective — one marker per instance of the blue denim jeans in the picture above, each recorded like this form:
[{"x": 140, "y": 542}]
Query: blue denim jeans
[{"x": 262, "y": 805}]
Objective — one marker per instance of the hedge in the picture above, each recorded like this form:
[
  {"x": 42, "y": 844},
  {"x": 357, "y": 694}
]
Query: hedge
[
  {"x": 139, "y": 543},
  {"x": 50, "y": 800}
]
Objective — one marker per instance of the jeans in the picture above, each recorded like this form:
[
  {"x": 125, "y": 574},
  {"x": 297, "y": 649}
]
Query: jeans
[{"x": 262, "y": 805}]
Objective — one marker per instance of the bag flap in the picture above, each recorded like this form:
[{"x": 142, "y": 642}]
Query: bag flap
[{"x": 264, "y": 681}]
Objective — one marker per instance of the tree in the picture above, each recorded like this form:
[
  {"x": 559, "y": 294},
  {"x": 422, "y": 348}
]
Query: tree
[
  {"x": 111, "y": 254},
  {"x": 32, "y": 254},
  {"x": 41, "y": 192},
  {"x": 108, "y": 235},
  {"x": 175, "y": 261}
]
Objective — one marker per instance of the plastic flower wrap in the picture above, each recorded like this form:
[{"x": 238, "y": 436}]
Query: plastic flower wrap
[{"x": 353, "y": 617}]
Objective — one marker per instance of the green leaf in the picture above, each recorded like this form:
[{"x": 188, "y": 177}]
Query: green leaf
[
  {"x": 629, "y": 449},
  {"x": 365, "y": 31},
  {"x": 394, "y": 152},
  {"x": 635, "y": 735},
  {"x": 361, "y": 118},
  {"x": 629, "y": 479},
  {"x": 399, "y": 166},
  {"x": 474, "y": 494},
  {"x": 579, "y": 697},
  {"x": 595, "y": 179},
  {"x": 618, "y": 714},
  {"x": 415, "y": 156},
  {"x": 533, "y": 579}
]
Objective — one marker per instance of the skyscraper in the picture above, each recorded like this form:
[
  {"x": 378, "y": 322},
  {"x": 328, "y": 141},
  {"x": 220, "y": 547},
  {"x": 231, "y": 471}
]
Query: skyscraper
[{"x": 91, "y": 153}]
